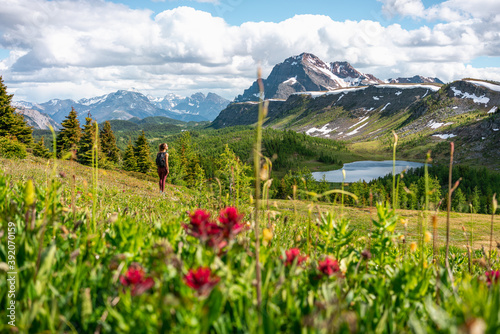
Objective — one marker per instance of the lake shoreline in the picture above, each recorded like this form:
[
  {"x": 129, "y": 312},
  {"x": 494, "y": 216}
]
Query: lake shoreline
[{"x": 366, "y": 170}]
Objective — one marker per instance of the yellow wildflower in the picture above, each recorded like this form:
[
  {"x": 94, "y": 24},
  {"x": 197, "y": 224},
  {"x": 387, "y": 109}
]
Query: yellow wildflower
[
  {"x": 428, "y": 236},
  {"x": 413, "y": 246}
]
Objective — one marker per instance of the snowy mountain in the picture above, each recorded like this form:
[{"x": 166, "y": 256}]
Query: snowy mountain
[
  {"x": 351, "y": 76},
  {"x": 416, "y": 79},
  {"x": 167, "y": 102},
  {"x": 306, "y": 72},
  {"x": 207, "y": 107},
  {"x": 464, "y": 111},
  {"x": 301, "y": 73},
  {"x": 126, "y": 104}
]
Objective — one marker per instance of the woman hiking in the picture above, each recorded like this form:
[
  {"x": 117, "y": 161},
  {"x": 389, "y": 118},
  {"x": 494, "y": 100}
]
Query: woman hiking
[{"x": 162, "y": 164}]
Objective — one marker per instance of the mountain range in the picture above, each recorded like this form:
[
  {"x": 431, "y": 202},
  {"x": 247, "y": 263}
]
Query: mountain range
[
  {"x": 306, "y": 72},
  {"x": 124, "y": 105}
]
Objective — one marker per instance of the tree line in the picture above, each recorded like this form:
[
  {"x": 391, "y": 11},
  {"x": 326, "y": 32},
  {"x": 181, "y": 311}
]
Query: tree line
[{"x": 473, "y": 194}]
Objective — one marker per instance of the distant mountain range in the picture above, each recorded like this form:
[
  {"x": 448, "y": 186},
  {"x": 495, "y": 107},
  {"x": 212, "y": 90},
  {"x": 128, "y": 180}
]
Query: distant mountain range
[
  {"x": 301, "y": 73},
  {"x": 306, "y": 72},
  {"x": 124, "y": 105}
]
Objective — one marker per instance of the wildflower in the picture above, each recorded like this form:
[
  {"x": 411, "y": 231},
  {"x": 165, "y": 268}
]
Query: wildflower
[
  {"x": 230, "y": 220},
  {"x": 413, "y": 246},
  {"x": 200, "y": 226},
  {"x": 492, "y": 276},
  {"x": 215, "y": 235},
  {"x": 135, "y": 279},
  {"x": 404, "y": 222},
  {"x": 293, "y": 254},
  {"x": 201, "y": 280},
  {"x": 328, "y": 266},
  {"x": 267, "y": 235},
  {"x": 428, "y": 236}
]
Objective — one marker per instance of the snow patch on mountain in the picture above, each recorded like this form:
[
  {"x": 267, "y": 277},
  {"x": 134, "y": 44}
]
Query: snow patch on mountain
[
  {"x": 435, "y": 125},
  {"x": 291, "y": 81},
  {"x": 477, "y": 99},
  {"x": 324, "y": 130},
  {"x": 362, "y": 119},
  {"x": 485, "y": 84},
  {"x": 445, "y": 136}
]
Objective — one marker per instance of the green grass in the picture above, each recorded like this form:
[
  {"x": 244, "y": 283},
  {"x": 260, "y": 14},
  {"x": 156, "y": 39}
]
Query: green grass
[{"x": 72, "y": 275}]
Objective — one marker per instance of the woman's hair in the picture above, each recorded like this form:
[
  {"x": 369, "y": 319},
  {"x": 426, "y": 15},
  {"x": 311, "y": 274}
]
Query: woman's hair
[{"x": 162, "y": 147}]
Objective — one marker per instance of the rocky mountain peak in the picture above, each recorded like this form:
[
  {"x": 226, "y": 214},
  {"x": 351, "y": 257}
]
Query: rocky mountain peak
[
  {"x": 301, "y": 73},
  {"x": 351, "y": 76},
  {"x": 416, "y": 79}
]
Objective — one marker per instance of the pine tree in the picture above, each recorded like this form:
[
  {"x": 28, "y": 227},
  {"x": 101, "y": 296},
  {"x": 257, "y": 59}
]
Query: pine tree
[
  {"x": 12, "y": 123},
  {"x": 70, "y": 134},
  {"x": 108, "y": 143},
  {"x": 87, "y": 143},
  {"x": 458, "y": 201},
  {"x": 39, "y": 149},
  {"x": 129, "y": 160},
  {"x": 476, "y": 200},
  {"x": 142, "y": 154}
]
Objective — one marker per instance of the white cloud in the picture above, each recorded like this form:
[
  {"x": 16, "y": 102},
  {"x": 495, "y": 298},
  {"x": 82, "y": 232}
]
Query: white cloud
[
  {"x": 449, "y": 11},
  {"x": 84, "y": 48}
]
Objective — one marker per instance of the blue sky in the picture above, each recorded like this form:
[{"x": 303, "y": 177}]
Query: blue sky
[{"x": 75, "y": 49}]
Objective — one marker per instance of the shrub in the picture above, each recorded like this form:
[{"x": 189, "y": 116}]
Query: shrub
[{"x": 12, "y": 149}]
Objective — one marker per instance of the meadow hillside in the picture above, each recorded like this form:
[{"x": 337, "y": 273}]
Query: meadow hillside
[{"x": 102, "y": 251}]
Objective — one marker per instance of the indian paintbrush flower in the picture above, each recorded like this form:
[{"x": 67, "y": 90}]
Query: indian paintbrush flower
[
  {"x": 136, "y": 280},
  {"x": 201, "y": 280},
  {"x": 328, "y": 266},
  {"x": 492, "y": 276},
  {"x": 215, "y": 235},
  {"x": 230, "y": 222},
  {"x": 292, "y": 254}
]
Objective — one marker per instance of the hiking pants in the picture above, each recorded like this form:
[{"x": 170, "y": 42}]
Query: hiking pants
[{"x": 162, "y": 174}]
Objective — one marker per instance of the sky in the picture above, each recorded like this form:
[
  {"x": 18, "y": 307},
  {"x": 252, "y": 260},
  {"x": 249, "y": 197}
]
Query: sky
[{"x": 84, "y": 48}]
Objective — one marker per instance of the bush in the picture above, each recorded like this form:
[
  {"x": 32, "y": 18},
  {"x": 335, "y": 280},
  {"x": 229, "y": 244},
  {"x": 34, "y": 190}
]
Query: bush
[{"x": 12, "y": 149}]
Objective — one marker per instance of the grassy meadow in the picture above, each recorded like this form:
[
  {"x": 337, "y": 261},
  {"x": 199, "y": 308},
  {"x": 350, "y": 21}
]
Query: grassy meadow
[{"x": 103, "y": 251}]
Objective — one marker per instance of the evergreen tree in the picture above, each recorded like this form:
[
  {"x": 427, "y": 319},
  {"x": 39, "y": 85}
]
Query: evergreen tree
[
  {"x": 413, "y": 197},
  {"x": 70, "y": 134},
  {"x": 233, "y": 174},
  {"x": 188, "y": 158},
  {"x": 87, "y": 144},
  {"x": 12, "y": 123},
  {"x": 39, "y": 149},
  {"x": 434, "y": 195},
  {"x": 476, "y": 199},
  {"x": 108, "y": 143},
  {"x": 129, "y": 160},
  {"x": 177, "y": 173},
  {"x": 142, "y": 154},
  {"x": 458, "y": 200}
]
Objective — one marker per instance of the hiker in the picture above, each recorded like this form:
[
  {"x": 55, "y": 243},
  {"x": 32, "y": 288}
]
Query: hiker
[{"x": 162, "y": 164}]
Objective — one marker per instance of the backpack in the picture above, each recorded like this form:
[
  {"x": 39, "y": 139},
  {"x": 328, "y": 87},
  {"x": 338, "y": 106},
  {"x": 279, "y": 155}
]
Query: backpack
[{"x": 161, "y": 159}]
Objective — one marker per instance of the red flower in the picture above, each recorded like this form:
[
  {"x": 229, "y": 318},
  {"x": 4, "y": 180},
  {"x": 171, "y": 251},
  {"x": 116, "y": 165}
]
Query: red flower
[
  {"x": 230, "y": 220},
  {"x": 328, "y": 266},
  {"x": 293, "y": 254},
  {"x": 201, "y": 280},
  {"x": 492, "y": 276},
  {"x": 136, "y": 280},
  {"x": 214, "y": 235},
  {"x": 201, "y": 227}
]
